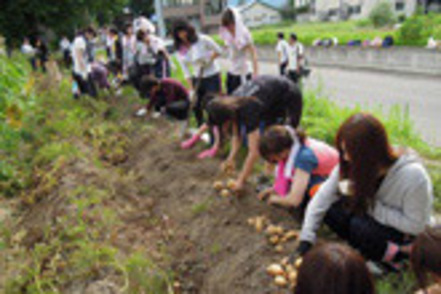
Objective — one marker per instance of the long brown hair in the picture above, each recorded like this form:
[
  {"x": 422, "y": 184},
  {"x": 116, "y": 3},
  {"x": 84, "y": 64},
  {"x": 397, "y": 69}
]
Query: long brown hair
[
  {"x": 334, "y": 269},
  {"x": 276, "y": 139},
  {"x": 224, "y": 108},
  {"x": 227, "y": 18},
  {"x": 426, "y": 255},
  {"x": 366, "y": 143}
]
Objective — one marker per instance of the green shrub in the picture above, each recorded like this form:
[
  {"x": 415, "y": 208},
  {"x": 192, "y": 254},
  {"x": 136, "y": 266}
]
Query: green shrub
[
  {"x": 382, "y": 14},
  {"x": 416, "y": 30}
]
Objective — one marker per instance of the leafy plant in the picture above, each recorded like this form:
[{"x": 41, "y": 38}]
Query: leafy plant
[{"x": 382, "y": 14}]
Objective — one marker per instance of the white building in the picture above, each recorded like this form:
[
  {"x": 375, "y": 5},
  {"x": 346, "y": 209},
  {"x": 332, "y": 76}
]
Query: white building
[
  {"x": 258, "y": 13},
  {"x": 357, "y": 9}
]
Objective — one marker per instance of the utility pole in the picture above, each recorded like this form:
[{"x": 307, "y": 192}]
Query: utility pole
[{"x": 160, "y": 18}]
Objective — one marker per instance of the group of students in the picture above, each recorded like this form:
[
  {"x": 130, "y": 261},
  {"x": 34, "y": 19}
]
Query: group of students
[
  {"x": 131, "y": 55},
  {"x": 37, "y": 53},
  {"x": 375, "y": 196}
]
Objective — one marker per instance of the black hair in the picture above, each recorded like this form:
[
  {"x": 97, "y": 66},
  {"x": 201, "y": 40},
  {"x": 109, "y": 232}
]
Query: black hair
[
  {"x": 281, "y": 35},
  {"x": 293, "y": 36},
  {"x": 227, "y": 18},
  {"x": 113, "y": 31},
  {"x": 147, "y": 83},
  {"x": 89, "y": 30},
  {"x": 183, "y": 25},
  {"x": 126, "y": 27},
  {"x": 140, "y": 36},
  {"x": 223, "y": 109},
  {"x": 276, "y": 139}
]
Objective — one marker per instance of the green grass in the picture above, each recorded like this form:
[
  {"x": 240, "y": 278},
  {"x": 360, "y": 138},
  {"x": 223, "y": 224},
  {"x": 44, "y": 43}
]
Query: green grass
[
  {"x": 415, "y": 31},
  {"x": 308, "y": 32}
]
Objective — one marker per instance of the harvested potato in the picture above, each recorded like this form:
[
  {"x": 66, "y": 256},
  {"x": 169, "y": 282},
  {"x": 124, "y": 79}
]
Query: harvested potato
[
  {"x": 275, "y": 270},
  {"x": 280, "y": 281},
  {"x": 218, "y": 185},
  {"x": 290, "y": 268},
  {"x": 291, "y": 235},
  {"x": 251, "y": 221},
  {"x": 231, "y": 184},
  {"x": 292, "y": 277},
  {"x": 298, "y": 262},
  {"x": 270, "y": 230},
  {"x": 225, "y": 193},
  {"x": 279, "y": 248},
  {"x": 274, "y": 239},
  {"x": 284, "y": 261},
  {"x": 260, "y": 222}
]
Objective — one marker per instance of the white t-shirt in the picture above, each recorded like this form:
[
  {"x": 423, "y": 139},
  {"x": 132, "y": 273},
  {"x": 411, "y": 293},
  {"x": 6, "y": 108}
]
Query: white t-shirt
[
  {"x": 64, "y": 45},
  {"x": 283, "y": 48},
  {"x": 79, "y": 56},
  {"x": 147, "y": 52},
  {"x": 27, "y": 49},
  {"x": 240, "y": 64},
  {"x": 198, "y": 54},
  {"x": 295, "y": 52}
]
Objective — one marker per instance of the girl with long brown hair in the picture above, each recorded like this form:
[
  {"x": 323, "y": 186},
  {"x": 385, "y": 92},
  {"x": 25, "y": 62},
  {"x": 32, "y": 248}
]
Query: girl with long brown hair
[
  {"x": 378, "y": 198},
  {"x": 259, "y": 103}
]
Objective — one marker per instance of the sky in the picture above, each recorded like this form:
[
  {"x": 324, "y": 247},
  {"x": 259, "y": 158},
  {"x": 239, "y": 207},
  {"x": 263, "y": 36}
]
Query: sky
[{"x": 275, "y": 3}]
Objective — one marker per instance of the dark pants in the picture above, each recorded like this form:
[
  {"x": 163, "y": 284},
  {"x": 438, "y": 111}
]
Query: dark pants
[
  {"x": 178, "y": 109},
  {"x": 67, "y": 58},
  {"x": 234, "y": 81},
  {"x": 363, "y": 232},
  {"x": 283, "y": 68},
  {"x": 208, "y": 85},
  {"x": 162, "y": 68},
  {"x": 136, "y": 72},
  {"x": 294, "y": 76},
  {"x": 86, "y": 86}
]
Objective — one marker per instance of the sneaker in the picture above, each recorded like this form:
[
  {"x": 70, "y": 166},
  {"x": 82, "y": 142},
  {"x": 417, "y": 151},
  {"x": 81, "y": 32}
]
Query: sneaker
[{"x": 141, "y": 112}]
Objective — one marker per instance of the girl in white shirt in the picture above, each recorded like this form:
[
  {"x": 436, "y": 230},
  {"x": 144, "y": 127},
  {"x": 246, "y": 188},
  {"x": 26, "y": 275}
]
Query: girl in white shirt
[
  {"x": 199, "y": 52},
  {"x": 129, "y": 49},
  {"x": 240, "y": 47}
]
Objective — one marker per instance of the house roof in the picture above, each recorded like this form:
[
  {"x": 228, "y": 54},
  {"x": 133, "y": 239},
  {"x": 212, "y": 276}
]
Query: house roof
[{"x": 251, "y": 4}]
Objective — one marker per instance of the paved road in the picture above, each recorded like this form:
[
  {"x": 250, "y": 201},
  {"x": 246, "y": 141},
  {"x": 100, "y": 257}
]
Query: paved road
[{"x": 375, "y": 89}]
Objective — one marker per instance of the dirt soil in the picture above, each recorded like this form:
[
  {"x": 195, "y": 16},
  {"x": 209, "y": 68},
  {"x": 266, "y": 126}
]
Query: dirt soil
[
  {"x": 169, "y": 208},
  {"x": 213, "y": 248}
]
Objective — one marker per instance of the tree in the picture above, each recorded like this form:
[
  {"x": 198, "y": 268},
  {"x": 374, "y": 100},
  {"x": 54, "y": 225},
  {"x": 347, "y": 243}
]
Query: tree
[
  {"x": 21, "y": 18},
  {"x": 142, "y": 7},
  {"x": 289, "y": 12},
  {"x": 382, "y": 14}
]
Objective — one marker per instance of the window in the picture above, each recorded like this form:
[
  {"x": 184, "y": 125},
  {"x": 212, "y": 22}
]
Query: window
[
  {"x": 214, "y": 7},
  {"x": 171, "y": 3},
  {"x": 400, "y": 6}
]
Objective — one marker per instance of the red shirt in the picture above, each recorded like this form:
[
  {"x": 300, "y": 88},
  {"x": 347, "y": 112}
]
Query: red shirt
[{"x": 171, "y": 90}]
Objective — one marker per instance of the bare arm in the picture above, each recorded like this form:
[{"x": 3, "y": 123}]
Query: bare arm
[
  {"x": 235, "y": 145},
  {"x": 297, "y": 192},
  {"x": 252, "y": 50},
  {"x": 253, "y": 155}
]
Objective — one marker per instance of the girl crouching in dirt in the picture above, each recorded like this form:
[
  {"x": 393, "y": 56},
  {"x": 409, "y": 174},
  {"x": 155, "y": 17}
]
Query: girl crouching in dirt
[
  {"x": 167, "y": 96},
  {"x": 264, "y": 101},
  {"x": 377, "y": 199},
  {"x": 303, "y": 164}
]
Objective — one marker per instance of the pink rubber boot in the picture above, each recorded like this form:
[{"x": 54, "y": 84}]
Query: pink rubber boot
[
  {"x": 187, "y": 144},
  {"x": 209, "y": 153}
]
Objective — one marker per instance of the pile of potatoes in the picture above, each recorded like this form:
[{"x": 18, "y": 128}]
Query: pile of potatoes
[
  {"x": 285, "y": 274},
  {"x": 277, "y": 235},
  {"x": 224, "y": 189}
]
